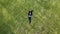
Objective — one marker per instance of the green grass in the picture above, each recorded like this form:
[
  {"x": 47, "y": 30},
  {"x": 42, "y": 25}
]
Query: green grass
[{"x": 14, "y": 18}]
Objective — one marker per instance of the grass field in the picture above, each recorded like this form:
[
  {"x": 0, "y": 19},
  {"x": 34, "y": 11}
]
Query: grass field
[{"x": 14, "y": 18}]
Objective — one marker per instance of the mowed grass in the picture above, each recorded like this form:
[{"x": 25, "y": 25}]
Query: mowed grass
[{"x": 14, "y": 17}]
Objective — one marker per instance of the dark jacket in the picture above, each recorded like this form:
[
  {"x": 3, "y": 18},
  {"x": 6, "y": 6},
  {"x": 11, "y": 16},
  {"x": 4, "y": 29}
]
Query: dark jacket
[{"x": 30, "y": 14}]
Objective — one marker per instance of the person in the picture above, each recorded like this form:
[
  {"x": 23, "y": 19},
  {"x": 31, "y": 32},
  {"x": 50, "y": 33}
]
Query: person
[{"x": 29, "y": 16}]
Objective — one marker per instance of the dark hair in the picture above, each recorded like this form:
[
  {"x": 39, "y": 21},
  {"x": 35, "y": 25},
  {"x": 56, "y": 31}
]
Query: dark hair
[{"x": 30, "y": 12}]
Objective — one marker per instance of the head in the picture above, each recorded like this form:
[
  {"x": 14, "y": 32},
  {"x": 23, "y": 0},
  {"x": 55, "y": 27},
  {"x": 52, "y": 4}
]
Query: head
[{"x": 30, "y": 11}]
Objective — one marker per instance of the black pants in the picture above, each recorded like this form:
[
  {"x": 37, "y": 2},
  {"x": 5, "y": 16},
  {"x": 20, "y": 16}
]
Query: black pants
[{"x": 29, "y": 18}]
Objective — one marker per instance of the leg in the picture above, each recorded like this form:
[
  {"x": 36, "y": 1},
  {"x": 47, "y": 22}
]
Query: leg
[{"x": 29, "y": 20}]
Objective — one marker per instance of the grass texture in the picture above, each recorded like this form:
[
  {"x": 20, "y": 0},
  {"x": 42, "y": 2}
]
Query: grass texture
[{"x": 14, "y": 18}]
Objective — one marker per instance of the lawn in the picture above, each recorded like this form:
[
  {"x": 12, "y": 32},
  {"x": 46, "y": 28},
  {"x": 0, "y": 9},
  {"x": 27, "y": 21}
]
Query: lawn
[{"x": 14, "y": 17}]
